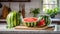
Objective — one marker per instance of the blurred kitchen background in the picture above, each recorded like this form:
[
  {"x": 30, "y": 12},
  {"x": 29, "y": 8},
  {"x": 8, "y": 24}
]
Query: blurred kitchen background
[{"x": 25, "y": 6}]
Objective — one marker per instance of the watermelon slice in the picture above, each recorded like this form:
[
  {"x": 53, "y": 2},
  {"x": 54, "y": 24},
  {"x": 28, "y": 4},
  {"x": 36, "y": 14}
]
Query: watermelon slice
[
  {"x": 30, "y": 22},
  {"x": 30, "y": 19},
  {"x": 41, "y": 23}
]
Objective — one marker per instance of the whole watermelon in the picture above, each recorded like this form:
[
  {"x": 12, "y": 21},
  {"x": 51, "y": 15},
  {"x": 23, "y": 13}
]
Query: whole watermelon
[{"x": 13, "y": 19}]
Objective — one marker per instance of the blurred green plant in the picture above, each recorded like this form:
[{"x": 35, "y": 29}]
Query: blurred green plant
[
  {"x": 35, "y": 11},
  {"x": 52, "y": 12}
]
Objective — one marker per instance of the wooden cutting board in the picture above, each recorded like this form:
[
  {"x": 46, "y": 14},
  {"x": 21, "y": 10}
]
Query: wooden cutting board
[{"x": 34, "y": 28}]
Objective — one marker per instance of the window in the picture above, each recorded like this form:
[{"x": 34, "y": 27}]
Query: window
[{"x": 49, "y": 4}]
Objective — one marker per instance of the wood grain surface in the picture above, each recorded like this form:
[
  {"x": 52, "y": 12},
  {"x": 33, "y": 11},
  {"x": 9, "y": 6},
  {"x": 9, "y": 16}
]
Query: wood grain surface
[{"x": 34, "y": 28}]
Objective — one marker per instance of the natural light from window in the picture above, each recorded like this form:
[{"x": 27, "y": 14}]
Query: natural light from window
[{"x": 49, "y": 4}]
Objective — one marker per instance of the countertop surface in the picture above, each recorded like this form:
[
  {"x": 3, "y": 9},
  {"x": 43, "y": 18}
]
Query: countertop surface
[
  {"x": 52, "y": 19},
  {"x": 55, "y": 19},
  {"x": 3, "y": 30}
]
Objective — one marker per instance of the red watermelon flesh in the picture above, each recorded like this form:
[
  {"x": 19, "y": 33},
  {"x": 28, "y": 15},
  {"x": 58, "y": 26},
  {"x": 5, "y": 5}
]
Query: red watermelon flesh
[
  {"x": 41, "y": 23},
  {"x": 31, "y": 19}
]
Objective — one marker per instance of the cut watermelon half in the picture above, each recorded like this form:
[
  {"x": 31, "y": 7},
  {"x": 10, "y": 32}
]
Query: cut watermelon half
[
  {"x": 41, "y": 23},
  {"x": 30, "y": 22},
  {"x": 30, "y": 19}
]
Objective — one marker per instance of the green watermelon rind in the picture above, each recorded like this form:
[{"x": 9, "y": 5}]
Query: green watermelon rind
[
  {"x": 47, "y": 19},
  {"x": 13, "y": 19},
  {"x": 30, "y": 24}
]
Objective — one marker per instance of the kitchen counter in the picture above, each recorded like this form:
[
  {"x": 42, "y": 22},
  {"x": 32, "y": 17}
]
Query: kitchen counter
[
  {"x": 52, "y": 19},
  {"x": 55, "y": 20},
  {"x": 4, "y": 30}
]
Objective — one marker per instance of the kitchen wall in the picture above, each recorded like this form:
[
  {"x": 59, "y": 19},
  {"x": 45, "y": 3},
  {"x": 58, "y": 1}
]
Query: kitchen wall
[
  {"x": 58, "y": 15},
  {"x": 32, "y": 4},
  {"x": 3, "y": 3},
  {"x": 28, "y": 6}
]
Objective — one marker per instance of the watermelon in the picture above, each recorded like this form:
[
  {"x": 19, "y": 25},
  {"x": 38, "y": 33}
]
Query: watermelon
[
  {"x": 13, "y": 19},
  {"x": 30, "y": 22},
  {"x": 41, "y": 23},
  {"x": 45, "y": 20}
]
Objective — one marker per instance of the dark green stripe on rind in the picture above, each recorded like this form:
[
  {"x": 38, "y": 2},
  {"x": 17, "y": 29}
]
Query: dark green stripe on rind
[
  {"x": 31, "y": 24},
  {"x": 16, "y": 20},
  {"x": 13, "y": 19}
]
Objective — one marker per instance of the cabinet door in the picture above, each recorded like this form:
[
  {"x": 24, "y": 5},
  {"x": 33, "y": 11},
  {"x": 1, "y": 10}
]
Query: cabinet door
[
  {"x": 20, "y": 0},
  {"x": 4, "y": 0}
]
